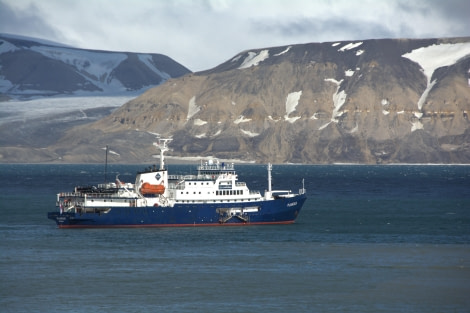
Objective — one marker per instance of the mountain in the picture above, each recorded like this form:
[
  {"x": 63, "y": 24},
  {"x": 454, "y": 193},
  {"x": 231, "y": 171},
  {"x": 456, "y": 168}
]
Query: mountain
[
  {"x": 31, "y": 67},
  {"x": 370, "y": 101}
]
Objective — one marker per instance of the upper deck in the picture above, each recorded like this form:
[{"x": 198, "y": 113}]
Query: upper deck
[{"x": 211, "y": 168}]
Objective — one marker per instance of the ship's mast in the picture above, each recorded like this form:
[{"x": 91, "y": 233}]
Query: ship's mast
[
  {"x": 162, "y": 145},
  {"x": 270, "y": 167},
  {"x": 106, "y": 166},
  {"x": 268, "y": 194}
]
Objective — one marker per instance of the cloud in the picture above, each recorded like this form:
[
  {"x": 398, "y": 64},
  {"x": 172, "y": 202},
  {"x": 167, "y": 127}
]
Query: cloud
[
  {"x": 310, "y": 30},
  {"x": 201, "y": 34},
  {"x": 28, "y": 21}
]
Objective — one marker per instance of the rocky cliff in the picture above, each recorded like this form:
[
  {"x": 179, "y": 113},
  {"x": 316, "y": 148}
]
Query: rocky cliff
[{"x": 371, "y": 101}]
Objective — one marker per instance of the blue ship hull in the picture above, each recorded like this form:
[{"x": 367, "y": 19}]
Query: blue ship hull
[{"x": 277, "y": 211}]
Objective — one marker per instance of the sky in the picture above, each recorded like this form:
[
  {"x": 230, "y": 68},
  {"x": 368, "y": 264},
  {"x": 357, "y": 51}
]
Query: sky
[{"x": 201, "y": 34}]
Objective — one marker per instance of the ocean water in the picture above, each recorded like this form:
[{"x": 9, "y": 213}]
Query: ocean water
[{"x": 368, "y": 239}]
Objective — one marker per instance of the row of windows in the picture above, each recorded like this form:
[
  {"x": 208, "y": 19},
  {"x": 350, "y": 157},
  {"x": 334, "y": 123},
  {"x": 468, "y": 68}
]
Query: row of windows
[
  {"x": 202, "y": 183},
  {"x": 111, "y": 200},
  {"x": 216, "y": 172},
  {"x": 221, "y": 192},
  {"x": 229, "y": 192},
  {"x": 214, "y": 201}
]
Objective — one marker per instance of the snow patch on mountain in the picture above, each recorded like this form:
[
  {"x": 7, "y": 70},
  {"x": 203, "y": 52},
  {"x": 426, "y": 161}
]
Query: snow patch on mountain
[
  {"x": 235, "y": 59},
  {"x": 7, "y": 47},
  {"x": 254, "y": 59},
  {"x": 192, "y": 108},
  {"x": 274, "y": 120},
  {"x": 94, "y": 63},
  {"x": 339, "y": 98},
  {"x": 199, "y": 122},
  {"x": 241, "y": 119},
  {"x": 285, "y": 51},
  {"x": 292, "y": 101},
  {"x": 148, "y": 60},
  {"x": 350, "y": 46},
  {"x": 314, "y": 116},
  {"x": 101, "y": 72},
  {"x": 249, "y": 133},
  {"x": 433, "y": 57},
  {"x": 416, "y": 125}
]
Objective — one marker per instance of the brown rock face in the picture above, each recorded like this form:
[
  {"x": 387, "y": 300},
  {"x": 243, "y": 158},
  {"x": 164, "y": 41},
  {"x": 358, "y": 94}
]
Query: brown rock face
[{"x": 375, "y": 101}]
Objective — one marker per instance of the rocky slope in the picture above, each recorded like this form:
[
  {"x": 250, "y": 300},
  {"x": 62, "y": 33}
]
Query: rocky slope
[
  {"x": 47, "y": 88},
  {"x": 371, "y": 101},
  {"x": 30, "y": 68}
]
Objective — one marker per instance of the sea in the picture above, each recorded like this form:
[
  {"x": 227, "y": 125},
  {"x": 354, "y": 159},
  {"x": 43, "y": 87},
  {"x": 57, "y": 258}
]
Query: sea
[{"x": 382, "y": 238}]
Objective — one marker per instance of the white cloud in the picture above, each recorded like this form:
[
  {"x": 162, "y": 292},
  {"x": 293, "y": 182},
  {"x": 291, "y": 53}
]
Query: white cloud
[{"x": 175, "y": 28}]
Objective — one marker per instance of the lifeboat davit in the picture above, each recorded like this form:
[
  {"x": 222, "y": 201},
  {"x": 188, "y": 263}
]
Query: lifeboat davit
[{"x": 147, "y": 188}]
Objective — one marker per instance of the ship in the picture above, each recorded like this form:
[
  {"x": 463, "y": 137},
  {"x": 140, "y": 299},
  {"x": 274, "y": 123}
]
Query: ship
[{"x": 211, "y": 197}]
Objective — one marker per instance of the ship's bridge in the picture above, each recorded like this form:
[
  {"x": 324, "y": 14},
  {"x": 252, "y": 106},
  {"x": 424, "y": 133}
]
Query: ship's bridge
[{"x": 211, "y": 169}]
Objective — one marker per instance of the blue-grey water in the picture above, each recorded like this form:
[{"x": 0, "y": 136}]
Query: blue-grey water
[{"x": 368, "y": 239}]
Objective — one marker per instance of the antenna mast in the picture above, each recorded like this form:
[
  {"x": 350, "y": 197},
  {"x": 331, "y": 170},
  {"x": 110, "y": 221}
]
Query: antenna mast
[
  {"x": 162, "y": 145},
  {"x": 270, "y": 167},
  {"x": 106, "y": 166}
]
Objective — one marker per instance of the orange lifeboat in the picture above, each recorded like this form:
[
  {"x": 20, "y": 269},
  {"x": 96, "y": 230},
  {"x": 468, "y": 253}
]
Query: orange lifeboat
[{"x": 147, "y": 188}]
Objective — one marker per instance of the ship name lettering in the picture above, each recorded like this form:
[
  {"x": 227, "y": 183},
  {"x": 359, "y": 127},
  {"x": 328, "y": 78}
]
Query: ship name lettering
[{"x": 292, "y": 204}]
